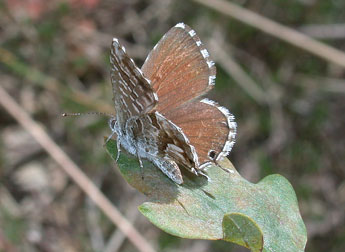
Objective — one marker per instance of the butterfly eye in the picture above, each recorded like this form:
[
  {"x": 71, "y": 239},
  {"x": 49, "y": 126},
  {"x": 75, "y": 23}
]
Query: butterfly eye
[{"x": 112, "y": 123}]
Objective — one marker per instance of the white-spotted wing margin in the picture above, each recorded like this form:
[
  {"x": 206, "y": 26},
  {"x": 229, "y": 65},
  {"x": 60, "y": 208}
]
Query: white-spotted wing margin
[{"x": 232, "y": 126}]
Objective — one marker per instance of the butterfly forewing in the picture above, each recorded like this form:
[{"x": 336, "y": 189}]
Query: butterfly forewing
[
  {"x": 179, "y": 68},
  {"x": 133, "y": 94}
]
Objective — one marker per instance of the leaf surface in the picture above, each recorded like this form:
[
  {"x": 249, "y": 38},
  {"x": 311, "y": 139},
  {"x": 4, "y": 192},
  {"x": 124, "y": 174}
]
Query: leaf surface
[{"x": 261, "y": 217}]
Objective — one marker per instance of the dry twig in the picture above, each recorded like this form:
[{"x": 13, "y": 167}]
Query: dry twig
[
  {"x": 280, "y": 31},
  {"x": 324, "y": 31},
  {"x": 73, "y": 171},
  {"x": 35, "y": 76},
  {"x": 237, "y": 73}
]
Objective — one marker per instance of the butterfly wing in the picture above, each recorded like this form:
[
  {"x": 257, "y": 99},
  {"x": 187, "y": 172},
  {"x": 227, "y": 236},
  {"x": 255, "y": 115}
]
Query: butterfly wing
[
  {"x": 163, "y": 143},
  {"x": 179, "y": 68},
  {"x": 133, "y": 94},
  {"x": 180, "y": 71},
  {"x": 210, "y": 128},
  {"x": 135, "y": 98}
]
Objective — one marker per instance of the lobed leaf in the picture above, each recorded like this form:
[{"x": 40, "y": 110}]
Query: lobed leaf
[{"x": 261, "y": 217}]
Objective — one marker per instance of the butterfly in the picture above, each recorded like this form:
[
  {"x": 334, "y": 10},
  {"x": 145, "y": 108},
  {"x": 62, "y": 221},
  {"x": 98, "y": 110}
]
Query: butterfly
[{"x": 160, "y": 113}]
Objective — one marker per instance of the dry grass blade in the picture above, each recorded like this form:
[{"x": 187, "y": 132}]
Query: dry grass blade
[
  {"x": 238, "y": 74},
  {"x": 324, "y": 31},
  {"x": 73, "y": 171},
  {"x": 39, "y": 78},
  {"x": 280, "y": 31}
]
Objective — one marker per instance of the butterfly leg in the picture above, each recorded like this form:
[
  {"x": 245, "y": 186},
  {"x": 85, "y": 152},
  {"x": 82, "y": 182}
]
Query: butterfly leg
[
  {"x": 109, "y": 137},
  {"x": 221, "y": 167},
  {"x": 205, "y": 175},
  {"x": 118, "y": 145},
  {"x": 141, "y": 166},
  {"x": 226, "y": 170}
]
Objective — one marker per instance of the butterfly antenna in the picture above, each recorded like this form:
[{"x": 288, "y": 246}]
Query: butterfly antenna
[{"x": 87, "y": 113}]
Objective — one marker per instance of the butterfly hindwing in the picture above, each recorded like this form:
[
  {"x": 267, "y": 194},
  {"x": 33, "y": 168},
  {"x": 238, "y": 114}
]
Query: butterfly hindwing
[
  {"x": 161, "y": 141},
  {"x": 209, "y": 127}
]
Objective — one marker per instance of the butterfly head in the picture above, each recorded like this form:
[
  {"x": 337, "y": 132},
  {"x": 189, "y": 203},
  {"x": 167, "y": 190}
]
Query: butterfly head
[{"x": 112, "y": 124}]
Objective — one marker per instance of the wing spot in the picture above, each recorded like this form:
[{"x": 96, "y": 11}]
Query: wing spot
[
  {"x": 122, "y": 91},
  {"x": 180, "y": 25},
  {"x": 148, "y": 81},
  {"x": 135, "y": 93},
  {"x": 136, "y": 108},
  {"x": 205, "y": 53},
  {"x": 232, "y": 126},
  {"x": 124, "y": 104},
  {"x": 155, "y": 96},
  {"x": 211, "y": 80},
  {"x": 210, "y": 63},
  {"x": 212, "y": 154},
  {"x": 209, "y": 102},
  {"x": 192, "y": 33},
  {"x": 139, "y": 70},
  {"x": 140, "y": 105}
]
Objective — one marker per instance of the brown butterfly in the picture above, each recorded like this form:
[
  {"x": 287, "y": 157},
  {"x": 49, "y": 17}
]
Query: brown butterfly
[{"x": 160, "y": 115}]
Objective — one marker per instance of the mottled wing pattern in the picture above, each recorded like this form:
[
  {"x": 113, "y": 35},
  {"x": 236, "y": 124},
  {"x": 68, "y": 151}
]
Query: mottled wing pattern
[
  {"x": 162, "y": 142},
  {"x": 210, "y": 128},
  {"x": 175, "y": 143},
  {"x": 133, "y": 94},
  {"x": 160, "y": 137},
  {"x": 179, "y": 68},
  {"x": 181, "y": 128}
]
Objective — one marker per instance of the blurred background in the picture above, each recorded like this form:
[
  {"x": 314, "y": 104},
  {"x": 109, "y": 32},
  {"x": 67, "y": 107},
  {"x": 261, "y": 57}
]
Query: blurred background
[{"x": 289, "y": 105}]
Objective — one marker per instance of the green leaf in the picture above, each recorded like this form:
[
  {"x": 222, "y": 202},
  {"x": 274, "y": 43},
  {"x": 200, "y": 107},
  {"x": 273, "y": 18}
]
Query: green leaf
[
  {"x": 239, "y": 228},
  {"x": 261, "y": 217}
]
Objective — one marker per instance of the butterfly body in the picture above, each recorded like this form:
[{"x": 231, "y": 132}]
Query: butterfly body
[
  {"x": 151, "y": 136},
  {"x": 159, "y": 115}
]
